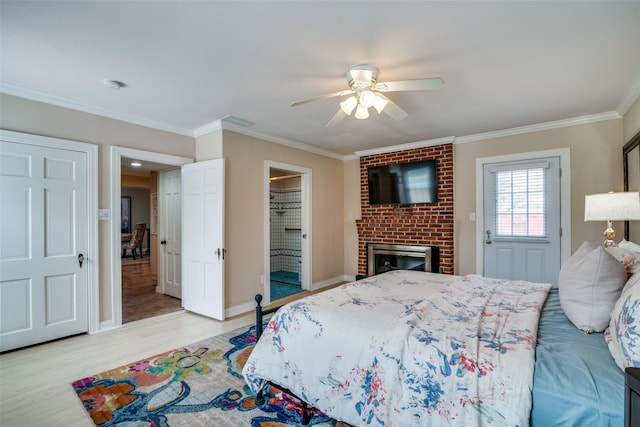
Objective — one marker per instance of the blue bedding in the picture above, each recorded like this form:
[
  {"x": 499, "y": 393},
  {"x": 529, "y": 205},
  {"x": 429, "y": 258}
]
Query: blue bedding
[{"x": 576, "y": 381}]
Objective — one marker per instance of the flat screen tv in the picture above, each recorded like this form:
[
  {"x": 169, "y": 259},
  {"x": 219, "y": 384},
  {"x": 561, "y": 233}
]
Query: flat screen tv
[{"x": 404, "y": 183}]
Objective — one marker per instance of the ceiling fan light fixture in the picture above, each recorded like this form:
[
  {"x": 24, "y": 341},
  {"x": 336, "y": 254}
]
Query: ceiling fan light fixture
[
  {"x": 361, "y": 112},
  {"x": 365, "y": 92},
  {"x": 367, "y": 98},
  {"x": 360, "y": 77},
  {"x": 380, "y": 102},
  {"x": 348, "y": 105}
]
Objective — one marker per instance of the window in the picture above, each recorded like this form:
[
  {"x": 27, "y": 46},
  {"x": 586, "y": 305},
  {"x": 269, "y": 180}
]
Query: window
[{"x": 520, "y": 201}]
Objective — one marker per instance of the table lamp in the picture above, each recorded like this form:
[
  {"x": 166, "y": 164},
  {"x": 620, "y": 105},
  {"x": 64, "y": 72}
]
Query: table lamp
[{"x": 623, "y": 206}]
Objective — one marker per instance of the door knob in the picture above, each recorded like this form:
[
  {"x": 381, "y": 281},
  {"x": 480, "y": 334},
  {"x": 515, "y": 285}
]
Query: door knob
[
  {"x": 80, "y": 259},
  {"x": 163, "y": 242},
  {"x": 488, "y": 240}
]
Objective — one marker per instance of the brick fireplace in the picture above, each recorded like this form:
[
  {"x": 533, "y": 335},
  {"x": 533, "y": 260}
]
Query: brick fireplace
[{"x": 427, "y": 224}]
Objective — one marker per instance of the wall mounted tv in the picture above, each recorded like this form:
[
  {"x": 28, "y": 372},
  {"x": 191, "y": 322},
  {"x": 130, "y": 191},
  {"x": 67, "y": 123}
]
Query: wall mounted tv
[{"x": 404, "y": 183}]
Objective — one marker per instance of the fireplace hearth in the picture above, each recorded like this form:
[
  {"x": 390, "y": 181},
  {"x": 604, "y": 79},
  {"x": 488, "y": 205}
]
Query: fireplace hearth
[{"x": 382, "y": 257}]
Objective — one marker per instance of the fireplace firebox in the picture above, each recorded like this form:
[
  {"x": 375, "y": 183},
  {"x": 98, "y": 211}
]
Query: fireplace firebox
[{"x": 382, "y": 257}]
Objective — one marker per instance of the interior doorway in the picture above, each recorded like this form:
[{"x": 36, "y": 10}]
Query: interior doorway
[
  {"x": 141, "y": 273},
  {"x": 141, "y": 296},
  {"x": 285, "y": 233},
  {"x": 287, "y": 225}
]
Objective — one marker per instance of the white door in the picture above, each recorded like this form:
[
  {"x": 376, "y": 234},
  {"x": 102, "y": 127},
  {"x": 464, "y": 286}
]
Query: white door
[
  {"x": 522, "y": 220},
  {"x": 170, "y": 278},
  {"x": 44, "y": 230},
  {"x": 203, "y": 238}
]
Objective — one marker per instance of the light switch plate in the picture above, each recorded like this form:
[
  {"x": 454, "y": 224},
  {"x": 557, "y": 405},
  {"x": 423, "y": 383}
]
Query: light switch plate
[{"x": 104, "y": 214}]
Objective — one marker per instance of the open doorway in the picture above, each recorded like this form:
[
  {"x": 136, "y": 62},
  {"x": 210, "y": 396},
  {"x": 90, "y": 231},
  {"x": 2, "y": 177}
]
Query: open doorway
[
  {"x": 285, "y": 232},
  {"x": 287, "y": 243},
  {"x": 146, "y": 271},
  {"x": 141, "y": 296}
]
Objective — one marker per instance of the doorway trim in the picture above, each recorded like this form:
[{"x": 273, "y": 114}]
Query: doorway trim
[
  {"x": 305, "y": 186},
  {"x": 565, "y": 198},
  {"x": 117, "y": 153}
]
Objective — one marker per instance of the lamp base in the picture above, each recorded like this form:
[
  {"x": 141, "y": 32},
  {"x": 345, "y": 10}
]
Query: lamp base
[{"x": 609, "y": 234}]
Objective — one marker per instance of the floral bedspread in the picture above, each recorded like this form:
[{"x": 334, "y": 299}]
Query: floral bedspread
[{"x": 408, "y": 348}]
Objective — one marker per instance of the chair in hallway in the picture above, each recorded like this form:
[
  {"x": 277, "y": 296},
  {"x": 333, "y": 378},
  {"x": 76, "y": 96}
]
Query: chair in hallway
[{"x": 136, "y": 240}]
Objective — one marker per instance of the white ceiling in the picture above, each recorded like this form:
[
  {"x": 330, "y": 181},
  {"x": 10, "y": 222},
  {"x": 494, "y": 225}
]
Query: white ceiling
[{"x": 188, "y": 64}]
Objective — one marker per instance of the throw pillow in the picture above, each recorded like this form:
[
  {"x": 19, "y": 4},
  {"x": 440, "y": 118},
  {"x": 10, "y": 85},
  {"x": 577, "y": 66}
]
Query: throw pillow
[
  {"x": 625, "y": 326},
  {"x": 629, "y": 259},
  {"x": 629, "y": 245},
  {"x": 589, "y": 284}
]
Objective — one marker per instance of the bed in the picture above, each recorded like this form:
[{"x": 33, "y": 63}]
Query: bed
[{"x": 408, "y": 348}]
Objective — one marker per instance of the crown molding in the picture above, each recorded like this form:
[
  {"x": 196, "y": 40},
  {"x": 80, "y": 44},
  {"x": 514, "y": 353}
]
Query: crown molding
[
  {"x": 217, "y": 125},
  {"x": 282, "y": 141},
  {"x": 630, "y": 99},
  {"x": 593, "y": 118},
  {"x": 208, "y": 128},
  {"x": 35, "y": 95}
]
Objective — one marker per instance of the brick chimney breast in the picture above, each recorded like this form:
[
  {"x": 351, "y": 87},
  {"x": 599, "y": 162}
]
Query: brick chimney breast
[{"x": 429, "y": 224}]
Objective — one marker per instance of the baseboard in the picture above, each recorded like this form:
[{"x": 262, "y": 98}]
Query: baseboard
[
  {"x": 240, "y": 309},
  {"x": 330, "y": 282},
  {"x": 106, "y": 326}
]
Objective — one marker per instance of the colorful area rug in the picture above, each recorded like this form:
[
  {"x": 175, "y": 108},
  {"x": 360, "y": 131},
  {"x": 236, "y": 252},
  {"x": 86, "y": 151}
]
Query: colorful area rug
[{"x": 197, "y": 385}]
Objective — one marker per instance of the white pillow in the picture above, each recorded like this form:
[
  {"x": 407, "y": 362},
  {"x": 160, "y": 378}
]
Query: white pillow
[
  {"x": 629, "y": 245},
  {"x": 589, "y": 284},
  {"x": 625, "y": 326}
]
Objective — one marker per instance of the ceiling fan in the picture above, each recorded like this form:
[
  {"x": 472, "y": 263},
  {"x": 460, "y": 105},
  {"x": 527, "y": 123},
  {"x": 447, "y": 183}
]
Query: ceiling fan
[{"x": 367, "y": 92}]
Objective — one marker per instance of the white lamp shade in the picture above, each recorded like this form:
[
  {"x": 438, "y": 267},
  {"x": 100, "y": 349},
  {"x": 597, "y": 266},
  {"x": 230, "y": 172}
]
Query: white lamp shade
[
  {"x": 367, "y": 98},
  {"x": 623, "y": 206},
  {"x": 348, "y": 105},
  {"x": 380, "y": 102},
  {"x": 361, "y": 112}
]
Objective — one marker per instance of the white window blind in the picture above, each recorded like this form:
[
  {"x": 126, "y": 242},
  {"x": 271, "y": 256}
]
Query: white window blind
[{"x": 520, "y": 201}]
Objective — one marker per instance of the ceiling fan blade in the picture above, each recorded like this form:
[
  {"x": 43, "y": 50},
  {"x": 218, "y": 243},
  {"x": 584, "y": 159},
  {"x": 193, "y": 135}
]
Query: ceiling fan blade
[
  {"x": 418, "y": 84},
  {"x": 392, "y": 109},
  {"x": 337, "y": 118},
  {"x": 318, "y": 98}
]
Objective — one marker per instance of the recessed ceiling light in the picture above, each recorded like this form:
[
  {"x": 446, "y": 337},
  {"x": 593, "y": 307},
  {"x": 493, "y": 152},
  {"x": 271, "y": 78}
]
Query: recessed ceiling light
[
  {"x": 136, "y": 164},
  {"x": 113, "y": 84}
]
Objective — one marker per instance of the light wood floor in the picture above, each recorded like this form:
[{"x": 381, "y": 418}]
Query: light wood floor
[{"x": 35, "y": 382}]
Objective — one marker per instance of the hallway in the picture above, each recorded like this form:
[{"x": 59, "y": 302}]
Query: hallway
[{"x": 139, "y": 297}]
